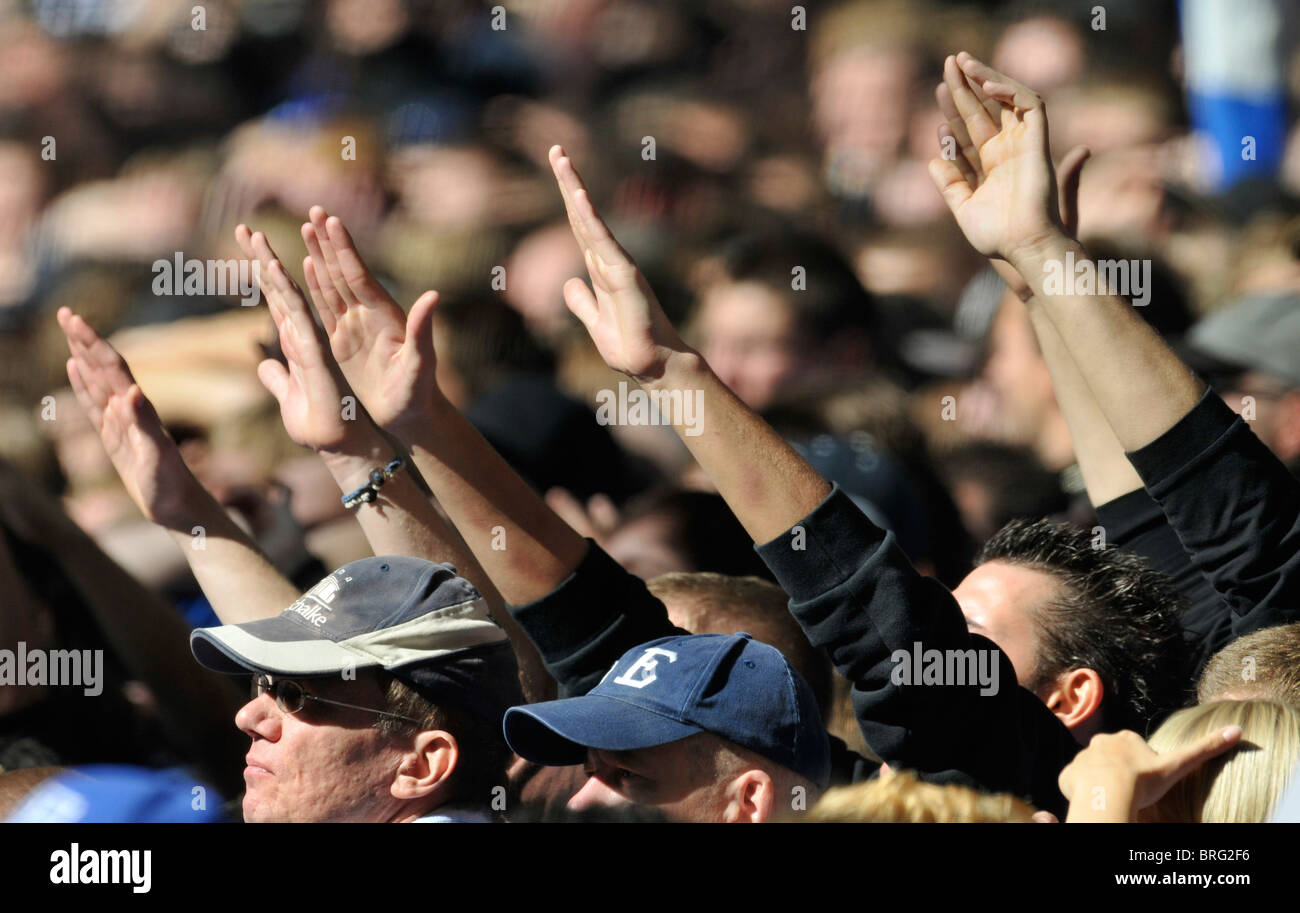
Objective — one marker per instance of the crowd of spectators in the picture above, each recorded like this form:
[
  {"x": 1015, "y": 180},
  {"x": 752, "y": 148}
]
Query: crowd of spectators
[{"x": 910, "y": 533}]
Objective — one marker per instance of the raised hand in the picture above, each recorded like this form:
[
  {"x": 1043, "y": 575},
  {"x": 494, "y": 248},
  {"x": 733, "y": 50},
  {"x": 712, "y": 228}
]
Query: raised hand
[
  {"x": 386, "y": 356},
  {"x": 623, "y": 316},
  {"x": 309, "y": 390},
  {"x": 1124, "y": 763},
  {"x": 953, "y": 132},
  {"x": 141, "y": 450},
  {"x": 1002, "y": 188}
]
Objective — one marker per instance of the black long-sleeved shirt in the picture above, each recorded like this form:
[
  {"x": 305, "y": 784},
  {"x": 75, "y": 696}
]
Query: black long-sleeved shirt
[
  {"x": 855, "y": 594},
  {"x": 1236, "y": 510}
]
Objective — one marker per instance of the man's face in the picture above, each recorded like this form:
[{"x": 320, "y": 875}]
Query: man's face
[
  {"x": 749, "y": 340},
  {"x": 674, "y": 778},
  {"x": 997, "y": 599},
  {"x": 324, "y": 763}
]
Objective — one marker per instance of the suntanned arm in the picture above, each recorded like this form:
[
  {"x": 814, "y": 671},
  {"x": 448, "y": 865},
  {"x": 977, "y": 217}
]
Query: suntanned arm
[
  {"x": 765, "y": 482},
  {"x": 239, "y": 580},
  {"x": 500, "y": 534},
  {"x": 1106, "y": 471},
  {"x": 1012, "y": 213},
  {"x": 852, "y": 590}
]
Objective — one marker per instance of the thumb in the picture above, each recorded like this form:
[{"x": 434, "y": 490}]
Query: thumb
[
  {"x": 275, "y": 377},
  {"x": 419, "y": 325},
  {"x": 581, "y": 302}
]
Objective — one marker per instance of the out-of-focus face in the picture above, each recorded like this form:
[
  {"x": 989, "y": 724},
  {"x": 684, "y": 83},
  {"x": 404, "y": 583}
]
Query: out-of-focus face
[
  {"x": 669, "y": 777},
  {"x": 1271, "y": 409},
  {"x": 324, "y": 763},
  {"x": 648, "y": 546},
  {"x": 750, "y": 340},
  {"x": 997, "y": 600},
  {"x": 1018, "y": 374}
]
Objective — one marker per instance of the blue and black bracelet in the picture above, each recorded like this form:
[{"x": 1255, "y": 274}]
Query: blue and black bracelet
[{"x": 370, "y": 491}]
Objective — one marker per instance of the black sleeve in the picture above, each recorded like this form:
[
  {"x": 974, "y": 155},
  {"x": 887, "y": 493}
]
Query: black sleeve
[
  {"x": 1235, "y": 508},
  {"x": 585, "y": 624},
  {"x": 857, "y": 596},
  {"x": 1135, "y": 523}
]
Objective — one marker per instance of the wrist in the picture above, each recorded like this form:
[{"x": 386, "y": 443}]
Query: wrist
[
  {"x": 682, "y": 369},
  {"x": 416, "y": 422},
  {"x": 351, "y": 470},
  {"x": 1028, "y": 257}
]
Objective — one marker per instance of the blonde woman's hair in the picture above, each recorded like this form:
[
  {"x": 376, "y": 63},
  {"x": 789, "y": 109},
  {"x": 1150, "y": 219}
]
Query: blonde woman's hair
[
  {"x": 898, "y": 796},
  {"x": 1245, "y": 783}
]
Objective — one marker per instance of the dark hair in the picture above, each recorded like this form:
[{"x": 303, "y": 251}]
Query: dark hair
[
  {"x": 1015, "y": 481},
  {"x": 483, "y": 754},
  {"x": 1114, "y": 614},
  {"x": 832, "y": 302}
]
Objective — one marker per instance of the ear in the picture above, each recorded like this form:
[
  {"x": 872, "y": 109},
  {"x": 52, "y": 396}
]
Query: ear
[
  {"x": 1075, "y": 697},
  {"x": 427, "y": 765},
  {"x": 750, "y": 798}
]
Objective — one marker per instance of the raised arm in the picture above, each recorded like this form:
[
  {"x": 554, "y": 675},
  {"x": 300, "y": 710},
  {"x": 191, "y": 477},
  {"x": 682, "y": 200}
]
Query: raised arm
[
  {"x": 766, "y": 483},
  {"x": 239, "y": 581},
  {"x": 1106, "y": 471},
  {"x": 1012, "y": 212},
  {"x": 1232, "y": 504},
  {"x": 851, "y": 588}
]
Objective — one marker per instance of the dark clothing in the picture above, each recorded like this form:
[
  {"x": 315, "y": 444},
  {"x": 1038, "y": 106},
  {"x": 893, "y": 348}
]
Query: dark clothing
[
  {"x": 600, "y": 612},
  {"x": 1236, "y": 510},
  {"x": 1007, "y": 741},
  {"x": 1135, "y": 523},
  {"x": 857, "y": 596}
]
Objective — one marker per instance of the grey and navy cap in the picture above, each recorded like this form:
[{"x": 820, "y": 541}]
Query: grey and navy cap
[
  {"x": 411, "y": 618},
  {"x": 668, "y": 689},
  {"x": 1257, "y": 333}
]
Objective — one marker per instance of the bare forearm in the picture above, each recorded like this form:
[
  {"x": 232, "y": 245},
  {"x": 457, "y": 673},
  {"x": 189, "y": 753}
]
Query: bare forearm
[
  {"x": 524, "y": 547},
  {"x": 767, "y": 484},
  {"x": 1140, "y": 385},
  {"x": 1107, "y": 473},
  {"x": 239, "y": 581}
]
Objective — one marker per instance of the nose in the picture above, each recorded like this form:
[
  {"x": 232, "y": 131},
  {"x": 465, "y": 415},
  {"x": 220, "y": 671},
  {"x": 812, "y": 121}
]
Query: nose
[
  {"x": 595, "y": 793},
  {"x": 259, "y": 718}
]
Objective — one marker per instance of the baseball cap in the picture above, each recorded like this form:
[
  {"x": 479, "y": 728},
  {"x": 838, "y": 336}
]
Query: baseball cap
[
  {"x": 119, "y": 793},
  {"x": 1259, "y": 332},
  {"x": 411, "y": 618},
  {"x": 668, "y": 689}
]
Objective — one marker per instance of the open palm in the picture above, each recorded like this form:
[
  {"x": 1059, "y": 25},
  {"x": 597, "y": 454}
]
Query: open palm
[
  {"x": 1010, "y": 202},
  {"x": 386, "y": 356},
  {"x": 141, "y": 450},
  {"x": 308, "y": 388},
  {"x": 619, "y": 310}
]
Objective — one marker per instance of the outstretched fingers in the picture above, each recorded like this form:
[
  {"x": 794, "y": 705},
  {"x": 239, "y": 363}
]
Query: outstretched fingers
[
  {"x": 588, "y": 227},
  {"x": 329, "y": 257}
]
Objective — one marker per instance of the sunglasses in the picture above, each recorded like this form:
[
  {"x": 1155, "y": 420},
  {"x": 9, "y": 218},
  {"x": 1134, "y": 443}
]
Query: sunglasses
[{"x": 291, "y": 697}]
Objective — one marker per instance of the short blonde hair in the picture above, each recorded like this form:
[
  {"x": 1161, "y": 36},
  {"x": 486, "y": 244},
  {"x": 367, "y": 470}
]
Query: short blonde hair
[
  {"x": 1245, "y": 783},
  {"x": 899, "y": 797}
]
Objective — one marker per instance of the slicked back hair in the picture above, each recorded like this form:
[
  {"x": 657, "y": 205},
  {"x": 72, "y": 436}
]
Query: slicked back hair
[{"x": 1113, "y": 613}]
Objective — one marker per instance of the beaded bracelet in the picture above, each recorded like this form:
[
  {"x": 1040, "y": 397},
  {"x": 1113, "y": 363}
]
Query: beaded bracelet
[{"x": 370, "y": 491}]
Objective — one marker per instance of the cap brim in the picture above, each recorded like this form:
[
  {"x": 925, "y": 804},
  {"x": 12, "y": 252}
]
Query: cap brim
[
  {"x": 557, "y": 733},
  {"x": 272, "y": 645}
]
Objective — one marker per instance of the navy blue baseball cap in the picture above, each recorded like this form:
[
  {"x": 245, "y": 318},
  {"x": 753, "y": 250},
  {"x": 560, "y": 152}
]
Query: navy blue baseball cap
[
  {"x": 412, "y": 618},
  {"x": 668, "y": 689}
]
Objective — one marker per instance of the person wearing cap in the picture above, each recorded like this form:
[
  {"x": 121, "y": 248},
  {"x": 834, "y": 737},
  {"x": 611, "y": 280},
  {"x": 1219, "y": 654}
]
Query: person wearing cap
[
  {"x": 1249, "y": 352},
  {"x": 705, "y": 727},
  {"x": 377, "y": 696}
]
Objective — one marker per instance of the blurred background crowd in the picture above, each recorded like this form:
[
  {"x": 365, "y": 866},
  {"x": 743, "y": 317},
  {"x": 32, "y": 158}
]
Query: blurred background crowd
[{"x": 740, "y": 148}]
